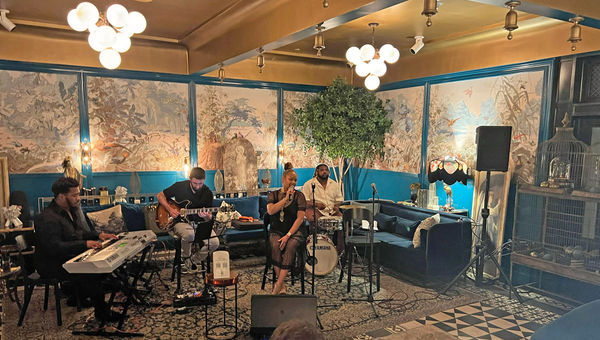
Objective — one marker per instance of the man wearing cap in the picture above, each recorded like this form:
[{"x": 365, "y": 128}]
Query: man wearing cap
[{"x": 328, "y": 195}]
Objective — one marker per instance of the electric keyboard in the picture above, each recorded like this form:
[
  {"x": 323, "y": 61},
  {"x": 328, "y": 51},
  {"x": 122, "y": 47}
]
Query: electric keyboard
[{"x": 112, "y": 254}]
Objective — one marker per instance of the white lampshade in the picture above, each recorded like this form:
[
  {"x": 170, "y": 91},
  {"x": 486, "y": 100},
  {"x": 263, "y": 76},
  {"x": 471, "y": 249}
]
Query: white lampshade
[
  {"x": 92, "y": 27},
  {"x": 353, "y": 55},
  {"x": 372, "y": 82},
  {"x": 110, "y": 58},
  {"x": 393, "y": 56},
  {"x": 367, "y": 52},
  {"x": 126, "y": 30},
  {"x": 105, "y": 36},
  {"x": 136, "y": 22},
  {"x": 385, "y": 50},
  {"x": 122, "y": 43},
  {"x": 87, "y": 12},
  {"x": 377, "y": 67},
  {"x": 94, "y": 43},
  {"x": 362, "y": 69},
  {"x": 74, "y": 21},
  {"x": 117, "y": 15}
]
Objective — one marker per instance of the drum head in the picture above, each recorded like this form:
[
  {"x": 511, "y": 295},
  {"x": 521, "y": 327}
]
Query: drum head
[{"x": 326, "y": 255}]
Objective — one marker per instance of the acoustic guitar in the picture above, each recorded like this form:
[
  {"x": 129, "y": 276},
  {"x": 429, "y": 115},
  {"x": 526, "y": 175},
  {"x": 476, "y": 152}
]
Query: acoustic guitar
[{"x": 164, "y": 220}]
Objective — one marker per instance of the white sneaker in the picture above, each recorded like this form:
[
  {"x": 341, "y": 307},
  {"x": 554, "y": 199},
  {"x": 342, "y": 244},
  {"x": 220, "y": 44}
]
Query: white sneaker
[{"x": 188, "y": 266}]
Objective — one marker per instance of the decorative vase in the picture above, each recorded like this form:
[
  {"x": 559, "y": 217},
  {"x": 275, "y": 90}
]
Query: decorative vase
[
  {"x": 218, "y": 181},
  {"x": 266, "y": 178},
  {"x": 134, "y": 183}
]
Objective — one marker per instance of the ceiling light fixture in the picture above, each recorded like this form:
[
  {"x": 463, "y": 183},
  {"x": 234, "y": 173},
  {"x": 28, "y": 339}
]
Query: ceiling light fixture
[
  {"x": 429, "y": 9},
  {"x": 110, "y": 32},
  {"x": 325, "y": 3},
  {"x": 319, "y": 40},
  {"x": 575, "y": 35},
  {"x": 510, "y": 21},
  {"x": 260, "y": 60},
  {"x": 9, "y": 25},
  {"x": 370, "y": 62},
  {"x": 418, "y": 44},
  {"x": 221, "y": 73}
]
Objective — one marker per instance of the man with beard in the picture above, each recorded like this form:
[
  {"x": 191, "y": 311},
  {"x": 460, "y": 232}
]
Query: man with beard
[{"x": 60, "y": 236}]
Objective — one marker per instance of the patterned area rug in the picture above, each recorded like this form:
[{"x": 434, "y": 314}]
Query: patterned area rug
[{"x": 340, "y": 319}]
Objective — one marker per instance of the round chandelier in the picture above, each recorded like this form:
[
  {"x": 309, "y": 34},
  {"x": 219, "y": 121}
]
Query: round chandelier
[
  {"x": 371, "y": 62},
  {"x": 110, "y": 32}
]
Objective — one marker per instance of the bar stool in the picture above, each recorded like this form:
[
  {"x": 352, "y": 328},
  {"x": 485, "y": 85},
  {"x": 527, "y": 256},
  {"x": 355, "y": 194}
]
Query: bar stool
[
  {"x": 223, "y": 283},
  {"x": 358, "y": 241}
]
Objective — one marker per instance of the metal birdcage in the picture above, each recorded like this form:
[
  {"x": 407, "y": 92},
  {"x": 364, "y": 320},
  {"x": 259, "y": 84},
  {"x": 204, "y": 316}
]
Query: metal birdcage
[{"x": 560, "y": 159}]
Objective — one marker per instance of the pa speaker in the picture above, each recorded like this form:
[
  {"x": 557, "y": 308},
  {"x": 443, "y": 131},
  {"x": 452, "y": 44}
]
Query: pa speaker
[
  {"x": 493, "y": 147},
  {"x": 268, "y": 311}
]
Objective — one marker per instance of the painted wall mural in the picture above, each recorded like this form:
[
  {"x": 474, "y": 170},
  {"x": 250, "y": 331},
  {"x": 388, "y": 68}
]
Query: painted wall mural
[
  {"x": 403, "y": 142},
  {"x": 457, "y": 108},
  {"x": 137, "y": 125},
  {"x": 39, "y": 121},
  {"x": 293, "y": 148},
  {"x": 224, "y": 112}
]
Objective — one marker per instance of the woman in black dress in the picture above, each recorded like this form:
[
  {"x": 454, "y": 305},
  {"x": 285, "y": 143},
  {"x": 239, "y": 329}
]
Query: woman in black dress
[{"x": 286, "y": 208}]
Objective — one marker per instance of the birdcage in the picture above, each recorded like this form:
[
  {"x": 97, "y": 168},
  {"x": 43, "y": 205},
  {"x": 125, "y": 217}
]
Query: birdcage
[{"x": 560, "y": 160}]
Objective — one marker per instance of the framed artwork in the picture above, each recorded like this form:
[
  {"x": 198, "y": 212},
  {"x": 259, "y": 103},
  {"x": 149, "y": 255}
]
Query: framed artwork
[{"x": 497, "y": 204}]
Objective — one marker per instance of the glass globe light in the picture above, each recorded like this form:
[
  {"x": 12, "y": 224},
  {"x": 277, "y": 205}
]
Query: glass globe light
[
  {"x": 367, "y": 52},
  {"x": 372, "y": 82},
  {"x": 105, "y": 36},
  {"x": 136, "y": 21},
  {"x": 393, "y": 56},
  {"x": 87, "y": 12},
  {"x": 75, "y": 22},
  {"x": 94, "y": 42},
  {"x": 353, "y": 55},
  {"x": 92, "y": 27},
  {"x": 122, "y": 43},
  {"x": 127, "y": 30},
  {"x": 385, "y": 51},
  {"x": 377, "y": 67},
  {"x": 117, "y": 15},
  {"x": 110, "y": 58},
  {"x": 362, "y": 69}
]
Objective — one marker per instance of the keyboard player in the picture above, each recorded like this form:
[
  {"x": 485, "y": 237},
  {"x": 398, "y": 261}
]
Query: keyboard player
[{"x": 60, "y": 235}]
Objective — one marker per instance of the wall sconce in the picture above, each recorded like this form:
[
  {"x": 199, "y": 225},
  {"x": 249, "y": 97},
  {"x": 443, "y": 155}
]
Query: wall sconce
[
  {"x": 510, "y": 21},
  {"x": 86, "y": 152},
  {"x": 429, "y": 9},
  {"x": 575, "y": 36},
  {"x": 325, "y": 3},
  {"x": 186, "y": 167},
  {"x": 319, "y": 40},
  {"x": 260, "y": 60},
  {"x": 221, "y": 73}
]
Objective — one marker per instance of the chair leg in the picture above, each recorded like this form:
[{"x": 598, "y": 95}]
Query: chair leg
[
  {"x": 265, "y": 272},
  {"x": 28, "y": 292},
  {"x": 302, "y": 261},
  {"x": 46, "y": 293},
  {"x": 349, "y": 260},
  {"x": 177, "y": 259},
  {"x": 58, "y": 309}
]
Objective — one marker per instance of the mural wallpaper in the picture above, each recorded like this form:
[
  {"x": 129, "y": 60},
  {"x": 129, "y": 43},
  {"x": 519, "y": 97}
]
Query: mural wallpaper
[
  {"x": 457, "y": 108},
  {"x": 403, "y": 142},
  {"x": 137, "y": 125},
  {"x": 293, "y": 148},
  {"x": 39, "y": 121},
  {"x": 225, "y": 112}
]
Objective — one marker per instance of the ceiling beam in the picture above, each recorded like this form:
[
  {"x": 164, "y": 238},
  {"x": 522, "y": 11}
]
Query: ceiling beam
[
  {"x": 272, "y": 27},
  {"x": 558, "y": 9}
]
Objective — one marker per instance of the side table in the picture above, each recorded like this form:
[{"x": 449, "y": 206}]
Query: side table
[{"x": 232, "y": 280}]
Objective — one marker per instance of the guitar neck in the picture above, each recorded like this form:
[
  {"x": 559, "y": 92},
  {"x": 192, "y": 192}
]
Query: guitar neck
[{"x": 198, "y": 210}]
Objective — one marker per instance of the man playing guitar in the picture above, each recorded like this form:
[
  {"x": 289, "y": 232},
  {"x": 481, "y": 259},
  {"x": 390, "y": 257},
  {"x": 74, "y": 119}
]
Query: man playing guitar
[{"x": 190, "y": 194}]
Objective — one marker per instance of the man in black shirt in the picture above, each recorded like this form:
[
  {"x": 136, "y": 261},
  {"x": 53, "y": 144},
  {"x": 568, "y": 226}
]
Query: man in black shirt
[
  {"x": 190, "y": 194},
  {"x": 60, "y": 236}
]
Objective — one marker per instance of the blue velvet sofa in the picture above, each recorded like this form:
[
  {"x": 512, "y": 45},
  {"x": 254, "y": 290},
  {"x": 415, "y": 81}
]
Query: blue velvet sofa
[
  {"x": 579, "y": 324},
  {"x": 136, "y": 218},
  {"x": 445, "y": 248}
]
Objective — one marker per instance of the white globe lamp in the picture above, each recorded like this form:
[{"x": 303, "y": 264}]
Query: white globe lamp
[
  {"x": 110, "y": 59},
  {"x": 372, "y": 82}
]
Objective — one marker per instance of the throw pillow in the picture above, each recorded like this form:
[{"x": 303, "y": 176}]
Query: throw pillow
[
  {"x": 426, "y": 224},
  {"x": 386, "y": 222},
  {"x": 150, "y": 219},
  {"x": 133, "y": 215},
  {"x": 406, "y": 227},
  {"x": 108, "y": 220}
]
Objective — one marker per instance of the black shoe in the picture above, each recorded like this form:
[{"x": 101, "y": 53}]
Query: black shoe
[
  {"x": 107, "y": 315},
  {"x": 85, "y": 302}
]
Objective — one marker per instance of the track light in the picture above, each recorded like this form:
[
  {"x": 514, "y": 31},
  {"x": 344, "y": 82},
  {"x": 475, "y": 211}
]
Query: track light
[
  {"x": 260, "y": 60},
  {"x": 429, "y": 9},
  {"x": 221, "y": 73},
  {"x": 575, "y": 35},
  {"x": 319, "y": 40},
  {"x": 9, "y": 25},
  {"x": 325, "y": 3},
  {"x": 418, "y": 44},
  {"x": 510, "y": 21}
]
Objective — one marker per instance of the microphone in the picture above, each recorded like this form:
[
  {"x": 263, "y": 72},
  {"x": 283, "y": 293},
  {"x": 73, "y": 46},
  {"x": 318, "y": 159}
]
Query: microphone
[
  {"x": 374, "y": 188},
  {"x": 290, "y": 197}
]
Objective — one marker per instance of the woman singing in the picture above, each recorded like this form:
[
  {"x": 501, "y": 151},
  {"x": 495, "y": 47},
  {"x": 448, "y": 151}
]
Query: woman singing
[{"x": 286, "y": 208}]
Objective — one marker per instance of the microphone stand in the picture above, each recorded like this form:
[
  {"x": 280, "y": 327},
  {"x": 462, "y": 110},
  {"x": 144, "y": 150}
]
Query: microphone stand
[{"x": 314, "y": 240}]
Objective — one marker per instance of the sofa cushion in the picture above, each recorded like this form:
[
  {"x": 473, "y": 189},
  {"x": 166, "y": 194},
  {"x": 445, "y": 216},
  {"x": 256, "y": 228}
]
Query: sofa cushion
[
  {"x": 426, "y": 224},
  {"x": 262, "y": 205},
  {"x": 133, "y": 215},
  {"x": 247, "y": 206},
  {"x": 406, "y": 227},
  {"x": 386, "y": 222},
  {"x": 109, "y": 220}
]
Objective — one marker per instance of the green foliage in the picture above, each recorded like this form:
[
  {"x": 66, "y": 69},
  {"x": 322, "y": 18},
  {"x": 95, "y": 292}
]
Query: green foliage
[{"x": 344, "y": 122}]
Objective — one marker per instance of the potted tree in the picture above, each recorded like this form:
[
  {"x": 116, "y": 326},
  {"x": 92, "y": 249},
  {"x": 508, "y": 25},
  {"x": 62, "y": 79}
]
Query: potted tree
[{"x": 345, "y": 124}]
